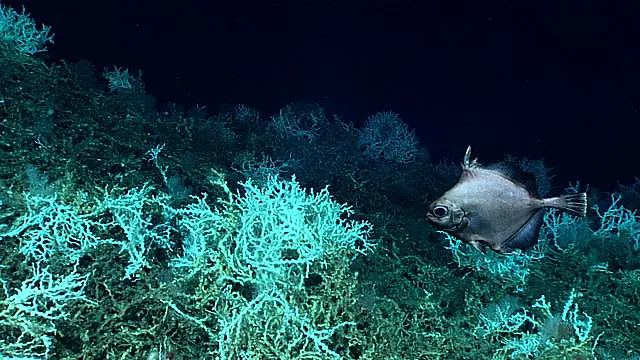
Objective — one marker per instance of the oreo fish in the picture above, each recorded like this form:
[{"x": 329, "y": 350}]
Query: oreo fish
[{"x": 497, "y": 207}]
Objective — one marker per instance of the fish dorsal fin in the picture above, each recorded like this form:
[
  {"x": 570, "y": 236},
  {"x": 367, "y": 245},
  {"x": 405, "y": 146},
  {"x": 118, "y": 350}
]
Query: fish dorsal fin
[
  {"x": 513, "y": 172},
  {"x": 467, "y": 163},
  {"x": 527, "y": 236}
]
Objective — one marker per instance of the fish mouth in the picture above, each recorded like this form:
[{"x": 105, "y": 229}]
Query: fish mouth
[{"x": 455, "y": 227}]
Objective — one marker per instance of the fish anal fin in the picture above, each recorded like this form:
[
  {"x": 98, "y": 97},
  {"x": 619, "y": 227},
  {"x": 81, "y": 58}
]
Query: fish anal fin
[{"x": 527, "y": 236}]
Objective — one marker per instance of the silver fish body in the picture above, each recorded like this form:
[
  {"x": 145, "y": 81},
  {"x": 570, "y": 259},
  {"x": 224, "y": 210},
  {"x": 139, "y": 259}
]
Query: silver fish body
[{"x": 487, "y": 207}]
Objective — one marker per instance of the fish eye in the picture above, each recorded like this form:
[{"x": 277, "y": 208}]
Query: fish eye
[{"x": 440, "y": 211}]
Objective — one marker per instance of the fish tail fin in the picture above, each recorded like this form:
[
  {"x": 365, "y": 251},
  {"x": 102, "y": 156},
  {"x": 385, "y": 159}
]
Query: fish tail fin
[{"x": 574, "y": 204}]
